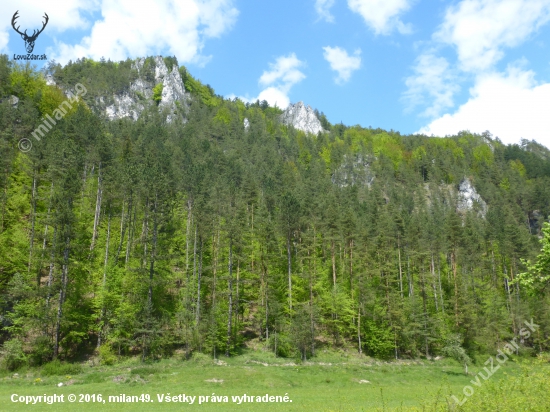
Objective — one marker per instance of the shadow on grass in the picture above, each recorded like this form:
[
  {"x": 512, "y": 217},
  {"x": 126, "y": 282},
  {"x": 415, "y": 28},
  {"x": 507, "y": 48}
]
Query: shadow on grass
[{"x": 452, "y": 373}]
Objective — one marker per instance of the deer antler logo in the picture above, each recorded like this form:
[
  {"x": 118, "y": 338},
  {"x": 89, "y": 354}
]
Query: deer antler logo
[{"x": 29, "y": 40}]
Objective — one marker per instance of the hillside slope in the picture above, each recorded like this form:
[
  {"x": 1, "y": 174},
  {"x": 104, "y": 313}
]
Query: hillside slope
[{"x": 182, "y": 229}]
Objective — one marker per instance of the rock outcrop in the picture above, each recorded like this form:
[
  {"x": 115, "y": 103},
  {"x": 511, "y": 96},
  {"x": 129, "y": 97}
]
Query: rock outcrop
[
  {"x": 140, "y": 94},
  {"x": 469, "y": 199},
  {"x": 353, "y": 171},
  {"x": 302, "y": 117},
  {"x": 13, "y": 100}
]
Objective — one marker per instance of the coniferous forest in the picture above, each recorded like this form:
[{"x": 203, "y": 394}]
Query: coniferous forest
[{"x": 151, "y": 237}]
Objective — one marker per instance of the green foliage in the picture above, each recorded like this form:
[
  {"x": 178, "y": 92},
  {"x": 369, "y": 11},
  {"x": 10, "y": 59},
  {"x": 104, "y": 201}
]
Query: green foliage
[
  {"x": 223, "y": 115},
  {"x": 385, "y": 145},
  {"x": 537, "y": 277},
  {"x": 106, "y": 355},
  {"x": 101, "y": 79},
  {"x": 157, "y": 93},
  {"x": 12, "y": 355},
  {"x": 527, "y": 391},
  {"x": 195, "y": 87},
  {"x": 42, "y": 349},
  {"x": 26, "y": 82},
  {"x": 5, "y": 70},
  {"x": 145, "y": 370},
  {"x": 171, "y": 62},
  {"x": 57, "y": 368},
  {"x": 378, "y": 340},
  {"x": 201, "y": 238},
  {"x": 453, "y": 349}
]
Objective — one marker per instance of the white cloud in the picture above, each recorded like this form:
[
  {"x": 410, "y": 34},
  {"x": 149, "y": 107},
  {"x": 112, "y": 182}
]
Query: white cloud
[
  {"x": 278, "y": 81},
  {"x": 382, "y": 15},
  {"x": 322, "y": 7},
  {"x": 284, "y": 72},
  {"x": 275, "y": 97},
  {"x": 131, "y": 29},
  {"x": 480, "y": 29},
  {"x": 433, "y": 79},
  {"x": 68, "y": 14},
  {"x": 511, "y": 106},
  {"x": 3, "y": 41},
  {"x": 341, "y": 62}
]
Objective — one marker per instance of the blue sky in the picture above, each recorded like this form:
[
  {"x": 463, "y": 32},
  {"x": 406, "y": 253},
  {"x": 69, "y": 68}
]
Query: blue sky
[{"x": 436, "y": 66}]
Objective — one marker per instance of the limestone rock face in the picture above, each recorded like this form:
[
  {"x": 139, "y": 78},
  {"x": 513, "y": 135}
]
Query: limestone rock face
[
  {"x": 302, "y": 117},
  {"x": 469, "y": 199},
  {"x": 140, "y": 94},
  {"x": 354, "y": 171},
  {"x": 14, "y": 101},
  {"x": 49, "y": 80}
]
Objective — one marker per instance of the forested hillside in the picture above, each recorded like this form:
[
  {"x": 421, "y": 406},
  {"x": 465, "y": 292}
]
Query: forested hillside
[{"x": 198, "y": 234}]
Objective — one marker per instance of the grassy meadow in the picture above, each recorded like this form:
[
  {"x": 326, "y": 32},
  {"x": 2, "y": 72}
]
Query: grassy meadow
[{"x": 330, "y": 382}]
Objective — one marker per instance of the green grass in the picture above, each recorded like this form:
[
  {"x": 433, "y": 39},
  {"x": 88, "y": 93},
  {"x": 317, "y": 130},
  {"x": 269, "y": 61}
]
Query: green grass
[{"x": 330, "y": 382}]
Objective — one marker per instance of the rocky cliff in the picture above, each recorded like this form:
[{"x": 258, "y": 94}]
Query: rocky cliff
[
  {"x": 141, "y": 93},
  {"x": 153, "y": 84},
  {"x": 354, "y": 171},
  {"x": 302, "y": 117},
  {"x": 469, "y": 199}
]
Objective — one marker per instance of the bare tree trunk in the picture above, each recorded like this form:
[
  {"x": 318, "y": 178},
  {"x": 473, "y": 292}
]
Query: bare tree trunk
[
  {"x": 312, "y": 276},
  {"x": 33, "y": 219},
  {"x": 289, "y": 272},
  {"x": 194, "y": 261},
  {"x": 62, "y": 293},
  {"x": 105, "y": 263},
  {"x": 425, "y": 314},
  {"x": 265, "y": 294},
  {"x": 153, "y": 255},
  {"x": 145, "y": 233},
  {"x": 359, "y": 328},
  {"x": 409, "y": 277},
  {"x": 432, "y": 269},
  {"x": 230, "y": 310},
  {"x": 4, "y": 200},
  {"x": 333, "y": 263},
  {"x": 131, "y": 230},
  {"x": 122, "y": 232},
  {"x": 440, "y": 288},
  {"x": 84, "y": 186},
  {"x": 400, "y": 269},
  {"x": 52, "y": 262},
  {"x": 216, "y": 248},
  {"x": 187, "y": 236},
  {"x": 97, "y": 208},
  {"x": 199, "y": 283},
  {"x": 454, "y": 268},
  {"x": 237, "y": 298},
  {"x": 351, "y": 266},
  {"x": 252, "y": 232}
]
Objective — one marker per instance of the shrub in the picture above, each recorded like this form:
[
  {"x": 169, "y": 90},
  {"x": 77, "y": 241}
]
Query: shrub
[
  {"x": 13, "y": 356},
  {"x": 201, "y": 359},
  {"x": 56, "y": 368},
  {"x": 145, "y": 370},
  {"x": 42, "y": 350},
  {"x": 157, "y": 93},
  {"x": 281, "y": 344},
  {"x": 106, "y": 355}
]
